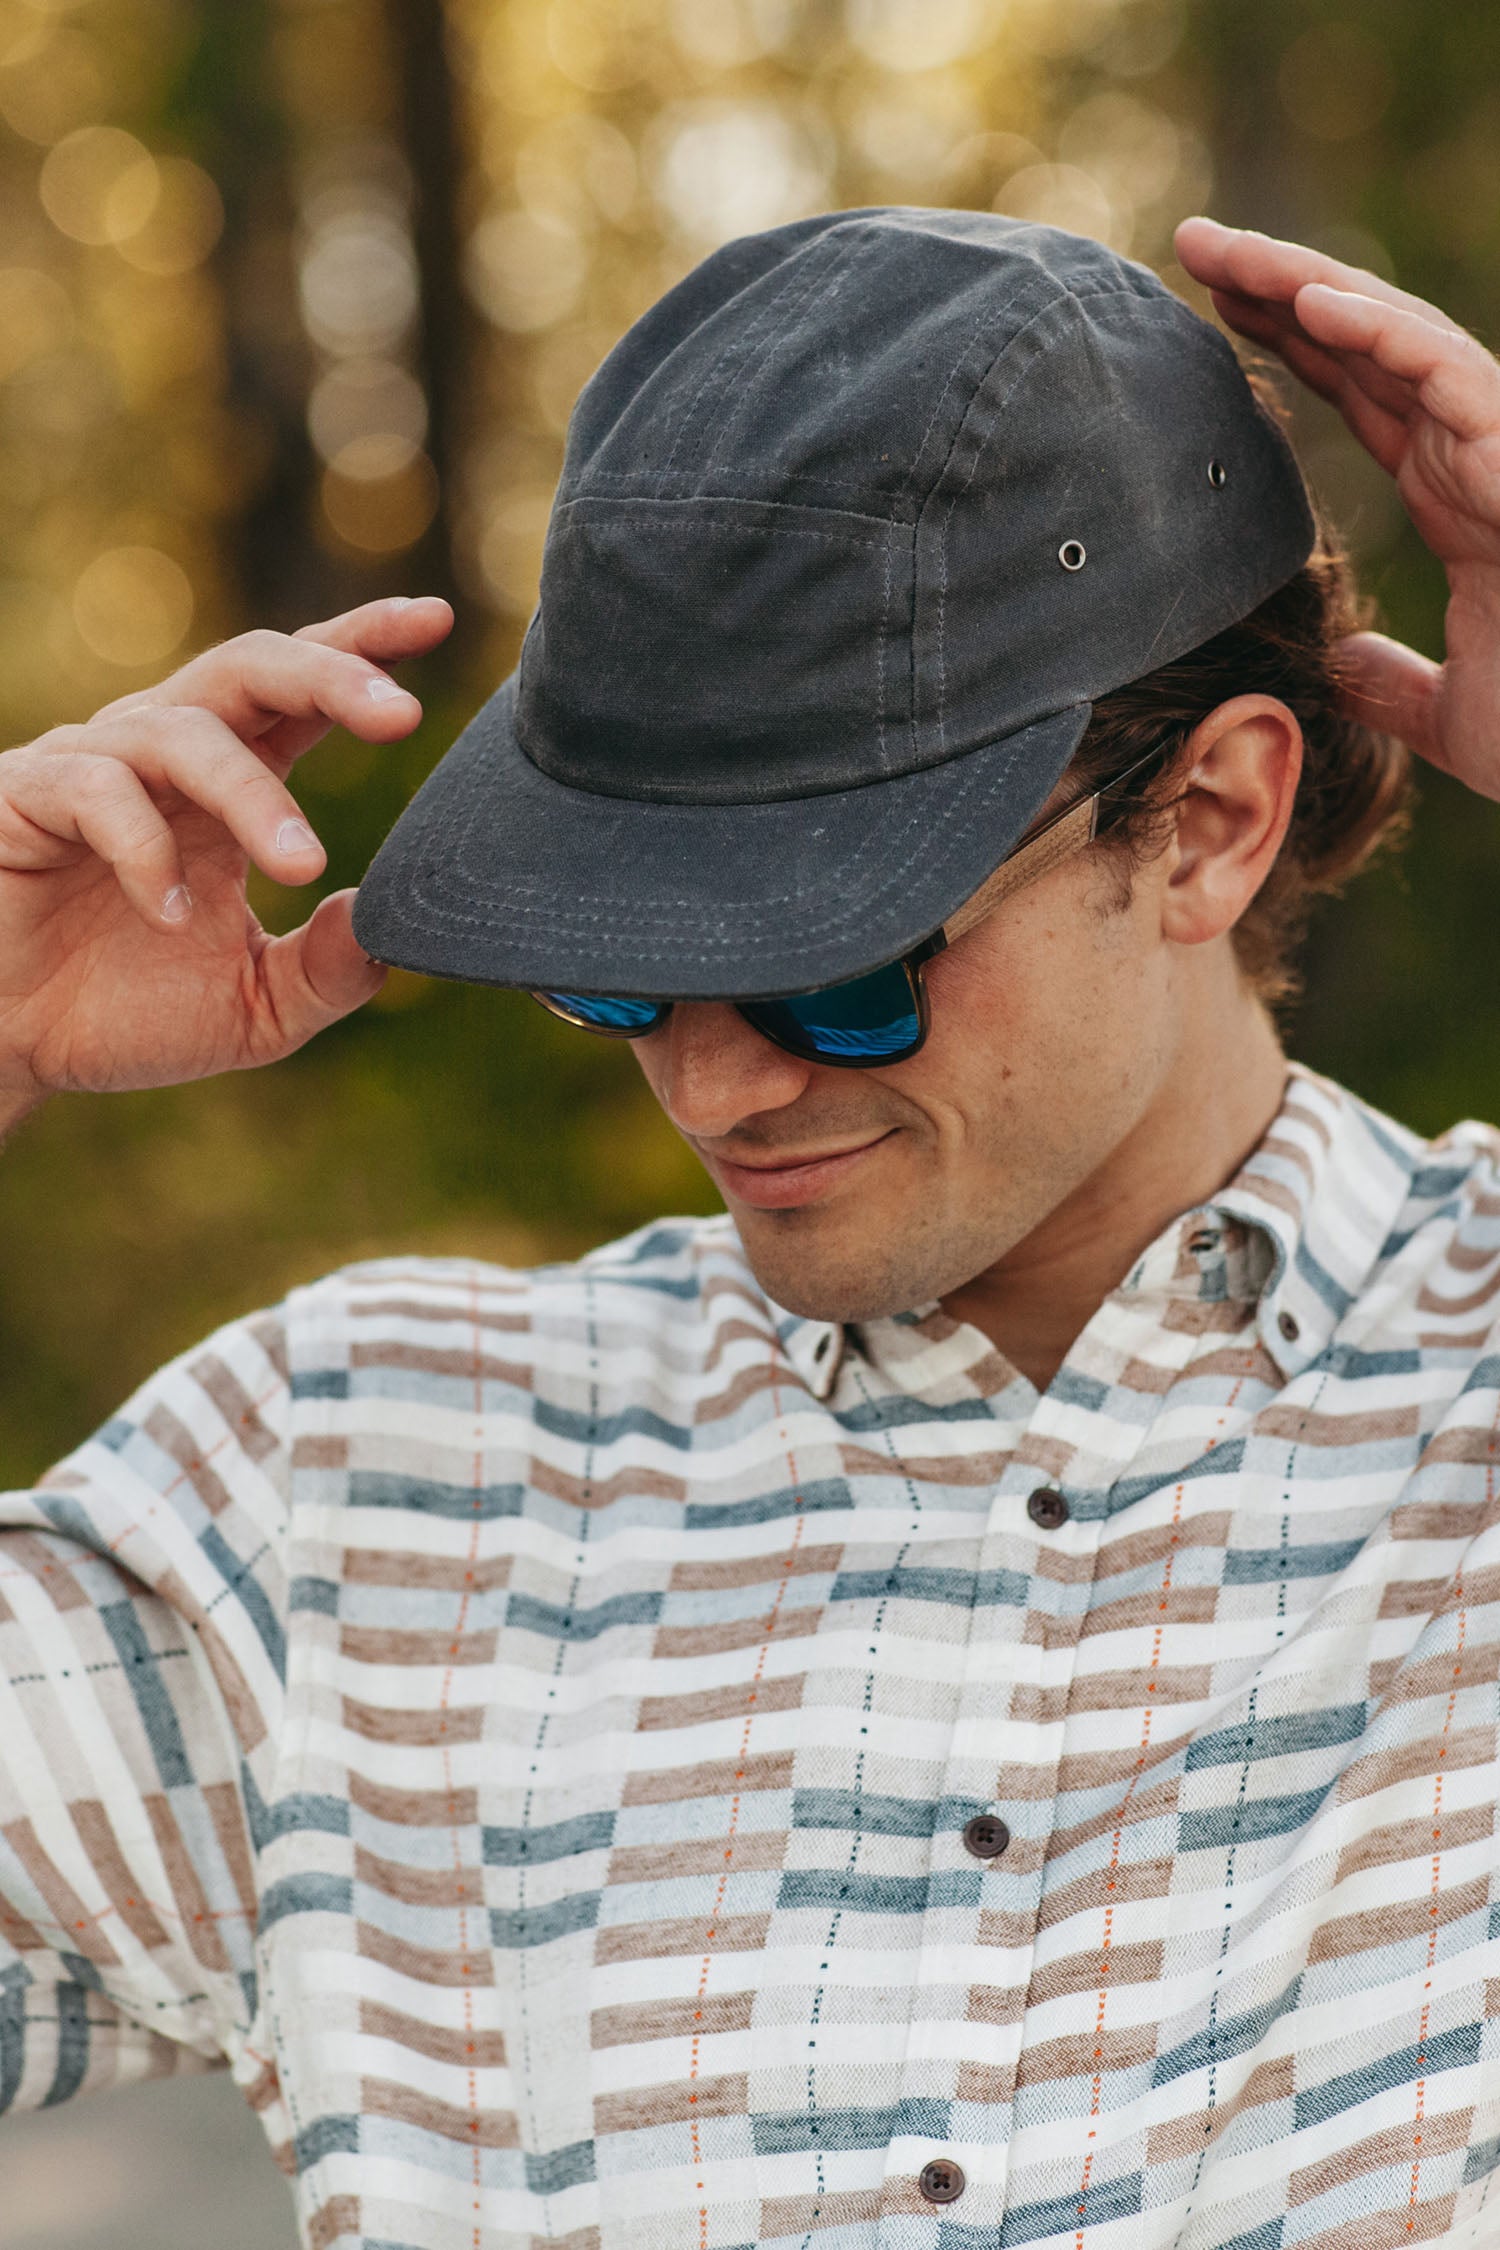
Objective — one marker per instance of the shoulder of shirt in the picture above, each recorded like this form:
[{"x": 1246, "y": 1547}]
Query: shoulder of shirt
[
  {"x": 1456, "y": 1183},
  {"x": 1449, "y": 1174},
  {"x": 1445, "y": 1189},
  {"x": 672, "y": 1268}
]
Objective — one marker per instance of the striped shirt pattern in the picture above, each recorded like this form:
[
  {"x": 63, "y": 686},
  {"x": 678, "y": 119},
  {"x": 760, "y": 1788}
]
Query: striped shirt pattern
[{"x": 526, "y": 1724}]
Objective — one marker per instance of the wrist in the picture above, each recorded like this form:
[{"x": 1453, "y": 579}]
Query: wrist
[{"x": 1473, "y": 597}]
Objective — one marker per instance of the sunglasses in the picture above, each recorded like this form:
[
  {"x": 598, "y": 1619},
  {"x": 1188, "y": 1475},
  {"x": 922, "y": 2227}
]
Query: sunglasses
[{"x": 880, "y": 1017}]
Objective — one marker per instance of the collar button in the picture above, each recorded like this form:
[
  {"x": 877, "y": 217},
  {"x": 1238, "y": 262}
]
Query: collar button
[{"x": 1290, "y": 1326}]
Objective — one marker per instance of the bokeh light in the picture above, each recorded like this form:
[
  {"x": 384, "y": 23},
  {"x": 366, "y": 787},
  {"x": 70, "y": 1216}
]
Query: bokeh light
[
  {"x": 912, "y": 35},
  {"x": 1064, "y": 195},
  {"x": 722, "y": 168},
  {"x": 724, "y": 34},
  {"x": 133, "y": 607},
  {"x": 360, "y": 399},
  {"x": 578, "y": 169},
  {"x": 525, "y": 269},
  {"x": 359, "y": 283},
  {"x": 596, "y": 44},
  {"x": 99, "y": 184},
  {"x": 511, "y": 549},
  {"x": 182, "y": 224},
  {"x": 51, "y": 81},
  {"x": 379, "y": 495}
]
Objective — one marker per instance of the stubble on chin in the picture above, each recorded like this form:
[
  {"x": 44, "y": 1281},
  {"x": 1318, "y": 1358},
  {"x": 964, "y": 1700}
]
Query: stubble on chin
[{"x": 851, "y": 1271}]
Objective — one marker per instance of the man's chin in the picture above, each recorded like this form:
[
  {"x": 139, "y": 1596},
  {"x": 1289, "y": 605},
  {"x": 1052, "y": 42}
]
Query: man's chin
[{"x": 824, "y": 1279}]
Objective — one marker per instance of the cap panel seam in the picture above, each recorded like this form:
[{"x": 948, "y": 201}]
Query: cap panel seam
[
  {"x": 850, "y": 247},
  {"x": 828, "y": 251},
  {"x": 969, "y": 341},
  {"x": 784, "y": 531},
  {"x": 884, "y": 525},
  {"x": 1063, "y": 298},
  {"x": 896, "y": 514},
  {"x": 1163, "y": 308}
]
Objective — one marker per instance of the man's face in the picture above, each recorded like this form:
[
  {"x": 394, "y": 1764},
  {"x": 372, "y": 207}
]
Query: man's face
[{"x": 1054, "y": 1024}]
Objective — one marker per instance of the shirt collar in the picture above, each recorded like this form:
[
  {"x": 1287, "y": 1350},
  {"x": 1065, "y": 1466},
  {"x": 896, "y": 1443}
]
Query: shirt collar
[
  {"x": 1309, "y": 1211},
  {"x": 1323, "y": 1190},
  {"x": 814, "y": 1347}
]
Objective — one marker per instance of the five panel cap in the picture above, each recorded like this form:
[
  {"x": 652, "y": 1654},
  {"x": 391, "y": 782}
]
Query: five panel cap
[{"x": 853, "y": 527}]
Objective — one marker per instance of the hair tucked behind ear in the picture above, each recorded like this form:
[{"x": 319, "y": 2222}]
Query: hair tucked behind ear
[{"x": 1355, "y": 791}]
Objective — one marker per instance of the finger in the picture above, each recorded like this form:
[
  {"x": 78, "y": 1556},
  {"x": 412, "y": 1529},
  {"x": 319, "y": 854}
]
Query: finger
[
  {"x": 196, "y": 754},
  {"x": 1393, "y": 689},
  {"x": 1278, "y": 327},
  {"x": 109, "y": 811},
  {"x": 1456, "y": 379},
  {"x": 1259, "y": 265},
  {"x": 384, "y": 632},
  {"x": 1380, "y": 430},
  {"x": 311, "y": 977},
  {"x": 257, "y": 680}
]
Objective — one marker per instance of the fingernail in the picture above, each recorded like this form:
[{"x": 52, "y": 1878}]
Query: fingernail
[
  {"x": 382, "y": 690},
  {"x": 178, "y": 904},
  {"x": 400, "y": 601},
  {"x": 295, "y": 836}
]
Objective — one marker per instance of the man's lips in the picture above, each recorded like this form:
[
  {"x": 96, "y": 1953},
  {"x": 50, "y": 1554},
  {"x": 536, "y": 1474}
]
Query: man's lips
[{"x": 784, "y": 1181}]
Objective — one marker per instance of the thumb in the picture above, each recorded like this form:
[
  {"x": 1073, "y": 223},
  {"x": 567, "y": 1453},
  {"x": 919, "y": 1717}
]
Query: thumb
[
  {"x": 314, "y": 975},
  {"x": 1390, "y": 688}
]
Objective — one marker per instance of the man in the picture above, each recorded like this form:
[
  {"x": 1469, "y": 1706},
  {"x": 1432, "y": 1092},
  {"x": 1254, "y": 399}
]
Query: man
[{"x": 956, "y": 1704}]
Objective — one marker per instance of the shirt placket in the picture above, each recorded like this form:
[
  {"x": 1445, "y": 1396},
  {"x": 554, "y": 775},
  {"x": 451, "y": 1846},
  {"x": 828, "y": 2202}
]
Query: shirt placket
[{"x": 1034, "y": 1565}]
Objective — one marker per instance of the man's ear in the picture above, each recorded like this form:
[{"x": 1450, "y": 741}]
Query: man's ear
[{"x": 1242, "y": 766}]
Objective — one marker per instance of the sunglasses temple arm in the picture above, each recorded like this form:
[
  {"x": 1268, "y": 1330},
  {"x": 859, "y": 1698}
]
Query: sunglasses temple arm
[{"x": 1058, "y": 841}]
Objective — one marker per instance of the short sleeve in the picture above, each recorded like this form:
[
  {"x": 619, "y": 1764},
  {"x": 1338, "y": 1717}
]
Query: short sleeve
[{"x": 142, "y": 1669}]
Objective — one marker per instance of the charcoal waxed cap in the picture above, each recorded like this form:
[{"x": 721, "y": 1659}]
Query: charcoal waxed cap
[{"x": 853, "y": 526}]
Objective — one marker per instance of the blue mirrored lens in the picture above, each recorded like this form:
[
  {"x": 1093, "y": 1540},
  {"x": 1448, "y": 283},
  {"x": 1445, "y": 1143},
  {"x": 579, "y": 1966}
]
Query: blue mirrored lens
[
  {"x": 865, "y": 1020},
  {"x": 608, "y": 1015}
]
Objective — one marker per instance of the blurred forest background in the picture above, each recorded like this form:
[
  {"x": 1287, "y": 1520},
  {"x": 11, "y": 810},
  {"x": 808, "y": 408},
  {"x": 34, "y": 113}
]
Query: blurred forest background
[{"x": 295, "y": 297}]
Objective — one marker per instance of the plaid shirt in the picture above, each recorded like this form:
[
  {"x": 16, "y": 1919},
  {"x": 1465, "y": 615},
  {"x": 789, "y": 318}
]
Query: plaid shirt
[{"x": 612, "y": 1765}]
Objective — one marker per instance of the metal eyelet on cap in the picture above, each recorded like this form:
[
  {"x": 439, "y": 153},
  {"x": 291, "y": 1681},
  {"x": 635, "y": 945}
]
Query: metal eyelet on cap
[
  {"x": 1218, "y": 475},
  {"x": 1072, "y": 554}
]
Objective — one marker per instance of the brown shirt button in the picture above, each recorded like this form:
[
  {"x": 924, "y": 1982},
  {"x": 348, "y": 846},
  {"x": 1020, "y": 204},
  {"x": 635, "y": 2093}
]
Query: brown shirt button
[
  {"x": 1049, "y": 1511},
  {"x": 941, "y": 2181},
  {"x": 1290, "y": 1326},
  {"x": 986, "y": 1836}
]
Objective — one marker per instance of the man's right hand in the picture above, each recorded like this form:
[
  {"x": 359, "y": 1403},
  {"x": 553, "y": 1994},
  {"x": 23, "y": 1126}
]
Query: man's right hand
[{"x": 128, "y": 954}]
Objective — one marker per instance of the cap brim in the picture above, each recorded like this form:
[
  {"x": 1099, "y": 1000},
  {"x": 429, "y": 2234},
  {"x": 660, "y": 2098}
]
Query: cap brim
[{"x": 497, "y": 874}]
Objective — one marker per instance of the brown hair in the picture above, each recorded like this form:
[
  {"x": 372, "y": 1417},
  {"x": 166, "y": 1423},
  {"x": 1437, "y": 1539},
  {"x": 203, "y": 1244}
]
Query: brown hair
[{"x": 1355, "y": 791}]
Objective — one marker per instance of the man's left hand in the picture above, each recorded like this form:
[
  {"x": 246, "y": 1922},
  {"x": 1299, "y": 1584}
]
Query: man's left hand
[{"x": 1423, "y": 396}]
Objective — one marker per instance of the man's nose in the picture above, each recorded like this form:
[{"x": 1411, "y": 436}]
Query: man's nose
[{"x": 711, "y": 1069}]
